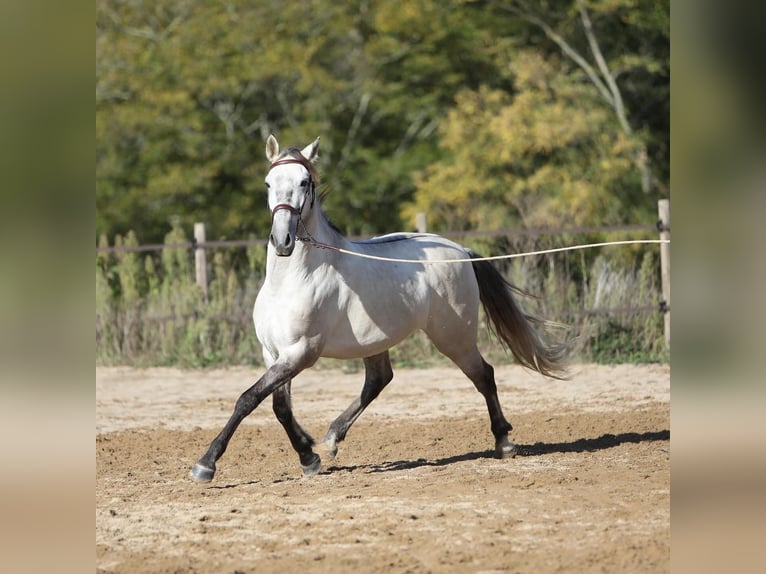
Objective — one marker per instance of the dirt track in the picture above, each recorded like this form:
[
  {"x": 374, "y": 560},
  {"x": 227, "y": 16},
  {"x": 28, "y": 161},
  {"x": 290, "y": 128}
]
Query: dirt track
[{"x": 414, "y": 488}]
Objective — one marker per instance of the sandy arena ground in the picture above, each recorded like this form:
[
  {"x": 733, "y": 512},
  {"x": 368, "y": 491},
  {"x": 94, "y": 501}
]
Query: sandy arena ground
[{"x": 414, "y": 487}]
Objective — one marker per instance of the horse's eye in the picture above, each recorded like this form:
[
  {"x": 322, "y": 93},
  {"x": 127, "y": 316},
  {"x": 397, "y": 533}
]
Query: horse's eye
[
  {"x": 267, "y": 185},
  {"x": 304, "y": 183}
]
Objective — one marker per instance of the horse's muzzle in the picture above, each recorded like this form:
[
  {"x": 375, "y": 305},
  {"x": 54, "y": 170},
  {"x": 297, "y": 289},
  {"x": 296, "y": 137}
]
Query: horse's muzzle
[
  {"x": 283, "y": 234},
  {"x": 284, "y": 228},
  {"x": 283, "y": 248}
]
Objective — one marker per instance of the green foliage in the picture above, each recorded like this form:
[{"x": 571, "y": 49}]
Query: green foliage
[
  {"x": 533, "y": 160},
  {"x": 188, "y": 90}
]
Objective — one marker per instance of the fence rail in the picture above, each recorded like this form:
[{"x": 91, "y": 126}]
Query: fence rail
[
  {"x": 199, "y": 244},
  {"x": 533, "y": 232}
]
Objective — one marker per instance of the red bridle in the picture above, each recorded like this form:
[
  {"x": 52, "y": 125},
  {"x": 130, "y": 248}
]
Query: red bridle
[{"x": 312, "y": 188}]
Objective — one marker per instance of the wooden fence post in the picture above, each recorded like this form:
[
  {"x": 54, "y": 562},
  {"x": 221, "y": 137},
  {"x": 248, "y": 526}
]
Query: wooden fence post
[
  {"x": 663, "y": 209},
  {"x": 200, "y": 259},
  {"x": 421, "y": 222}
]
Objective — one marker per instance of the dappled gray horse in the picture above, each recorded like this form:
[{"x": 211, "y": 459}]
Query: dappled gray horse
[{"x": 318, "y": 302}]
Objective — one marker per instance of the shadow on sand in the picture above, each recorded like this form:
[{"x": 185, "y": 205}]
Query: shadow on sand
[{"x": 603, "y": 442}]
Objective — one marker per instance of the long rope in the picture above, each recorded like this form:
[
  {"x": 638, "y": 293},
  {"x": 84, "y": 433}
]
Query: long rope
[{"x": 320, "y": 245}]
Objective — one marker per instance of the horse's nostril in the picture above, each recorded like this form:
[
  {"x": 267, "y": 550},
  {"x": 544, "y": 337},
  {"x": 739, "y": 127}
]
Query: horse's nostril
[
  {"x": 272, "y": 240},
  {"x": 288, "y": 240}
]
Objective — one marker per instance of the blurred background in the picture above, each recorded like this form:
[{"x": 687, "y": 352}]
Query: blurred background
[{"x": 487, "y": 115}]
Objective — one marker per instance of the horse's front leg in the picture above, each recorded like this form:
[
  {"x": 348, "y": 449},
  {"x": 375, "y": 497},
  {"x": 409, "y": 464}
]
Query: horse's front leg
[
  {"x": 300, "y": 439},
  {"x": 275, "y": 377},
  {"x": 377, "y": 375}
]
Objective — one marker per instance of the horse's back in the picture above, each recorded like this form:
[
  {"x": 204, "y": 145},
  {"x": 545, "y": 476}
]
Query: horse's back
[
  {"x": 412, "y": 246},
  {"x": 449, "y": 286},
  {"x": 440, "y": 268},
  {"x": 394, "y": 238}
]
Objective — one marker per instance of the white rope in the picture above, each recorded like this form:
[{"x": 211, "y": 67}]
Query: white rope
[{"x": 495, "y": 257}]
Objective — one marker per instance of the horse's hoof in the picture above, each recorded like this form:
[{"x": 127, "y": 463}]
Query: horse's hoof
[
  {"x": 202, "y": 473},
  {"x": 506, "y": 450},
  {"x": 328, "y": 450},
  {"x": 313, "y": 467}
]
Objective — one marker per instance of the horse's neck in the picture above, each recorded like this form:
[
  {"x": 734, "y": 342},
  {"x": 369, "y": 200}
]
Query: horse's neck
[{"x": 320, "y": 229}]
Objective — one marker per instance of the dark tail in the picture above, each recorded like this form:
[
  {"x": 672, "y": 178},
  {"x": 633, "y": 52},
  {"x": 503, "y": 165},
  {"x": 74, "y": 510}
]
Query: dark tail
[{"x": 516, "y": 329}]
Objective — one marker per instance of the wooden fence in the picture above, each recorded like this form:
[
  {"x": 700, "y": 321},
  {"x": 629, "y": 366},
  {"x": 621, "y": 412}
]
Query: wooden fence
[{"x": 200, "y": 244}]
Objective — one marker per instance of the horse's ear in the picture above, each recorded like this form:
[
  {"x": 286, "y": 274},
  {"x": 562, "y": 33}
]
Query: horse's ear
[
  {"x": 310, "y": 152},
  {"x": 272, "y": 148}
]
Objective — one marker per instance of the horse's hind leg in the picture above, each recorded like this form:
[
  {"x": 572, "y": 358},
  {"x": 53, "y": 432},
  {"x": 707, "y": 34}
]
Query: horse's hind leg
[
  {"x": 299, "y": 438},
  {"x": 482, "y": 375},
  {"x": 484, "y": 381},
  {"x": 377, "y": 375}
]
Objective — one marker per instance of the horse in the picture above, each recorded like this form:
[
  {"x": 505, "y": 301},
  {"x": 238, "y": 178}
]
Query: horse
[{"x": 317, "y": 301}]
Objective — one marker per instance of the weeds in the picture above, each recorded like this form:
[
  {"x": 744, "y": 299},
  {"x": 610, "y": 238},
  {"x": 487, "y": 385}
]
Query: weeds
[{"x": 149, "y": 310}]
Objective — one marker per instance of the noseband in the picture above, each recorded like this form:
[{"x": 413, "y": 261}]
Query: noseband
[{"x": 311, "y": 190}]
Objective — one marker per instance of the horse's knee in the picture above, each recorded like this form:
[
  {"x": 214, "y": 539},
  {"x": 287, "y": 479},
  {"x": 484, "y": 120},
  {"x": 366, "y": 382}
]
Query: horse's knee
[{"x": 246, "y": 402}]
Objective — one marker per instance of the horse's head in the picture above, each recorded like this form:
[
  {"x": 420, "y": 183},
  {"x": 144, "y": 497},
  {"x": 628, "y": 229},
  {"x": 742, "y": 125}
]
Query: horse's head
[{"x": 291, "y": 183}]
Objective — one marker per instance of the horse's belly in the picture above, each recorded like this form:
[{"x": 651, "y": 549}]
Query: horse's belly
[
  {"x": 347, "y": 345},
  {"x": 358, "y": 335}
]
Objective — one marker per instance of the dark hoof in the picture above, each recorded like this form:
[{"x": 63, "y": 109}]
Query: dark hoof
[
  {"x": 313, "y": 467},
  {"x": 202, "y": 473}
]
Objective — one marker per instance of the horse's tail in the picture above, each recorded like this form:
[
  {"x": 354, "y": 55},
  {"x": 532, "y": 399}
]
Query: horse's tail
[{"x": 516, "y": 329}]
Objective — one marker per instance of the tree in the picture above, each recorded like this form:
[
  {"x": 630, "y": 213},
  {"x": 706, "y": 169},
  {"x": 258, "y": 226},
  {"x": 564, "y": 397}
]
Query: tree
[
  {"x": 602, "y": 74},
  {"x": 188, "y": 90},
  {"x": 415, "y": 57},
  {"x": 546, "y": 155},
  {"x": 558, "y": 148}
]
